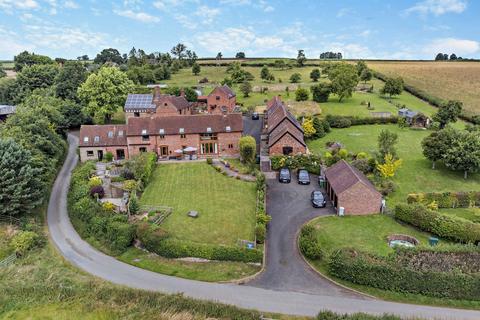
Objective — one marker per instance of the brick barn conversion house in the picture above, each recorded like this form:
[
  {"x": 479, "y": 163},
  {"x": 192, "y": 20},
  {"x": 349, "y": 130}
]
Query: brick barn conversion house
[
  {"x": 350, "y": 189},
  {"x": 285, "y": 134},
  {"x": 169, "y": 126}
]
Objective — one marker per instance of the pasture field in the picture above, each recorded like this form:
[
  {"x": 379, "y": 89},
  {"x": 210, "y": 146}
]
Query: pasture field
[
  {"x": 445, "y": 80},
  {"x": 226, "y": 206},
  {"x": 415, "y": 174}
]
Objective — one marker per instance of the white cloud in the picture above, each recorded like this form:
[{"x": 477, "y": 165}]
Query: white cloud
[
  {"x": 9, "y": 5},
  {"x": 139, "y": 16},
  {"x": 258, "y": 4},
  {"x": 452, "y": 45},
  {"x": 343, "y": 12},
  {"x": 69, "y": 4},
  {"x": 185, "y": 21},
  {"x": 438, "y": 7},
  {"x": 207, "y": 14}
]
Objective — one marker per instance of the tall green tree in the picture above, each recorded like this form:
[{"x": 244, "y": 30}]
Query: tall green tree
[
  {"x": 448, "y": 113},
  {"x": 344, "y": 79},
  {"x": 196, "y": 69},
  {"x": 392, "y": 86},
  {"x": 295, "y": 77},
  {"x": 21, "y": 187},
  {"x": 69, "y": 79},
  {"x": 246, "y": 88},
  {"x": 301, "y": 58},
  {"x": 109, "y": 55},
  {"x": 103, "y": 93},
  {"x": 179, "y": 51},
  {"x": 464, "y": 153},
  {"x": 301, "y": 94},
  {"x": 3, "y": 74},
  {"x": 361, "y": 65},
  {"x": 321, "y": 92},
  {"x": 366, "y": 75},
  {"x": 34, "y": 77},
  {"x": 435, "y": 145},
  {"x": 26, "y": 59},
  {"x": 315, "y": 75},
  {"x": 386, "y": 144},
  {"x": 240, "y": 55}
]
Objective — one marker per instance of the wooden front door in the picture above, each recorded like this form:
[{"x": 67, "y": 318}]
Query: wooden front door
[{"x": 163, "y": 151}]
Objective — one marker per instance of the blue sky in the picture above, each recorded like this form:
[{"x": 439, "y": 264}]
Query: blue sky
[{"x": 414, "y": 29}]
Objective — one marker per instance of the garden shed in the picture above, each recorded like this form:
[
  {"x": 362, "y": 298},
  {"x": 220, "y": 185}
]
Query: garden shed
[{"x": 350, "y": 189}]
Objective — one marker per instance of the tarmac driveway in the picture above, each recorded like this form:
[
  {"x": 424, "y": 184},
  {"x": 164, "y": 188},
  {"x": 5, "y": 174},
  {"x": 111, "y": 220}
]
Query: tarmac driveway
[{"x": 290, "y": 208}]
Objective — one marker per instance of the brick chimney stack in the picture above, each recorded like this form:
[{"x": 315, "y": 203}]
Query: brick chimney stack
[
  {"x": 182, "y": 92},
  {"x": 157, "y": 94}
]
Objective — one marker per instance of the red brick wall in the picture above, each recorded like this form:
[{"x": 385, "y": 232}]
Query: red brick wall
[
  {"x": 287, "y": 141},
  {"x": 166, "y": 108},
  {"x": 174, "y": 142},
  {"x": 214, "y": 105},
  {"x": 360, "y": 200},
  {"x": 113, "y": 150}
]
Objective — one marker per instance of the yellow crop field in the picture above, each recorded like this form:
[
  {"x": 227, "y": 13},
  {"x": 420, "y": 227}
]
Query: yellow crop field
[{"x": 445, "y": 80}]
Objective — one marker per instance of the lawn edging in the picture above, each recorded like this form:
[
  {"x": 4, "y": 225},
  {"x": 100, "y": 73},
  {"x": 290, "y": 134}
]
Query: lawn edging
[{"x": 312, "y": 267}]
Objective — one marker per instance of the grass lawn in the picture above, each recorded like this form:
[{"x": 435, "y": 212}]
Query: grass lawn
[
  {"x": 416, "y": 174},
  {"x": 369, "y": 233},
  {"x": 226, "y": 206},
  {"x": 366, "y": 233},
  {"x": 472, "y": 214},
  {"x": 203, "y": 271}
]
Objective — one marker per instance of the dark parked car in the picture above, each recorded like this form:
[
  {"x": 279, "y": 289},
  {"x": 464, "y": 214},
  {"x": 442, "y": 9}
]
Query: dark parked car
[
  {"x": 318, "y": 199},
  {"x": 303, "y": 177},
  {"x": 284, "y": 175},
  {"x": 255, "y": 116}
]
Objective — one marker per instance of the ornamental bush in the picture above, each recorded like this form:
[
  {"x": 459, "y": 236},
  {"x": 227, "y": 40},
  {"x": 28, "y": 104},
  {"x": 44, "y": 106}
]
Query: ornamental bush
[
  {"x": 309, "y": 162},
  {"x": 260, "y": 232},
  {"x": 308, "y": 243},
  {"x": 23, "y": 241},
  {"x": 447, "y": 227}
]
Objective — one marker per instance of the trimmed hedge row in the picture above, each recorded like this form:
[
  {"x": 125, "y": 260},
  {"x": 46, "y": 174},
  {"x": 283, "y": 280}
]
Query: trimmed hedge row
[
  {"x": 348, "y": 121},
  {"x": 308, "y": 243},
  {"x": 384, "y": 273},
  {"x": 447, "y": 199},
  {"x": 156, "y": 240},
  {"x": 447, "y": 227}
]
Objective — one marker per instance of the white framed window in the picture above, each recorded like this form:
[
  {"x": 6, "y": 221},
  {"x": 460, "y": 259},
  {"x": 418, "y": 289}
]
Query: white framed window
[
  {"x": 181, "y": 130},
  {"x": 85, "y": 139},
  {"x": 209, "y": 129},
  {"x": 110, "y": 134},
  {"x": 120, "y": 133},
  {"x": 96, "y": 139},
  {"x": 144, "y": 132},
  {"x": 161, "y": 131},
  {"x": 89, "y": 153},
  {"x": 228, "y": 129}
]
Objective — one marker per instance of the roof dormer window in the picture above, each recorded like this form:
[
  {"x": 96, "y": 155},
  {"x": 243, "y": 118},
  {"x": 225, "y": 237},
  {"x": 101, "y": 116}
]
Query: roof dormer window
[
  {"x": 85, "y": 139},
  {"x": 161, "y": 131},
  {"x": 209, "y": 129},
  {"x": 110, "y": 134},
  {"x": 120, "y": 133},
  {"x": 228, "y": 129},
  {"x": 96, "y": 139},
  {"x": 181, "y": 130},
  {"x": 144, "y": 132}
]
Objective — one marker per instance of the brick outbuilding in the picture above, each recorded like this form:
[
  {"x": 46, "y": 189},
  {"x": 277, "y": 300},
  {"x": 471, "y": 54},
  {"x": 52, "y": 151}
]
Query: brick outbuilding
[{"x": 350, "y": 189}]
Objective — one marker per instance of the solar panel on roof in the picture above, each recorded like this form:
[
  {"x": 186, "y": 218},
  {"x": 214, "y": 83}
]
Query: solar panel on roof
[{"x": 135, "y": 101}]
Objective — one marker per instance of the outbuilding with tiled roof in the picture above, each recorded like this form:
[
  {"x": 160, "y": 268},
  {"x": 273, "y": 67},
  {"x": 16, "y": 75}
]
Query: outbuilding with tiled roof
[{"x": 350, "y": 190}]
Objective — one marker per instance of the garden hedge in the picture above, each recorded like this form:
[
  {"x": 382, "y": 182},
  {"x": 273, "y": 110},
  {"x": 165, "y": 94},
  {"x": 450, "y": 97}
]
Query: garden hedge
[
  {"x": 308, "y": 243},
  {"x": 347, "y": 121},
  {"x": 384, "y": 273},
  {"x": 447, "y": 199},
  {"x": 456, "y": 229},
  {"x": 309, "y": 162},
  {"x": 156, "y": 239}
]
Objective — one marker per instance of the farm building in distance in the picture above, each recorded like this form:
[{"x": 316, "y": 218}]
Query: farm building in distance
[
  {"x": 414, "y": 118},
  {"x": 169, "y": 126},
  {"x": 285, "y": 134},
  {"x": 350, "y": 189}
]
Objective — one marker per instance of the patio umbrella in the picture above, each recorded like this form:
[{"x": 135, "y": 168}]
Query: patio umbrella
[
  {"x": 178, "y": 151},
  {"x": 190, "y": 149}
]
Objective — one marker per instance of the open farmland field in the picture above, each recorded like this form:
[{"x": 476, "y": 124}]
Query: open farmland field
[{"x": 445, "y": 80}]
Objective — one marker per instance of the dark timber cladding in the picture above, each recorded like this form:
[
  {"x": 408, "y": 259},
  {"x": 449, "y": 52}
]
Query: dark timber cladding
[{"x": 350, "y": 189}]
